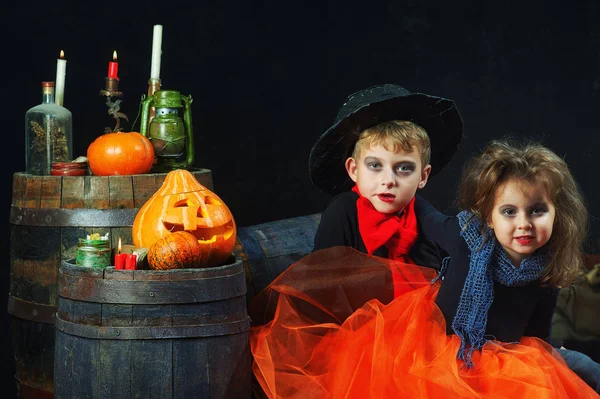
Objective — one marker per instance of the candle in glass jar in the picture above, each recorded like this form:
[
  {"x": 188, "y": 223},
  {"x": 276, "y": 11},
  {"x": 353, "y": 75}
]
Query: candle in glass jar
[{"x": 113, "y": 67}]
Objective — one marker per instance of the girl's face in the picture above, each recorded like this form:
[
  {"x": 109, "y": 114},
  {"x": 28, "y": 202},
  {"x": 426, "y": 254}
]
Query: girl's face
[
  {"x": 388, "y": 179},
  {"x": 522, "y": 218}
]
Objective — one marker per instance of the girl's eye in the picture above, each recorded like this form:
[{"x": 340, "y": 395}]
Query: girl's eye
[
  {"x": 508, "y": 212},
  {"x": 537, "y": 211}
]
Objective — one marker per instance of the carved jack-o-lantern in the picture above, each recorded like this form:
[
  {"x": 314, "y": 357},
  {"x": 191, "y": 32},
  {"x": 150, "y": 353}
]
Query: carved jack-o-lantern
[{"x": 183, "y": 204}]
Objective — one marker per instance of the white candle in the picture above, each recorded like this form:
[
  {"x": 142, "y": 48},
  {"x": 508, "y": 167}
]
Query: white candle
[
  {"x": 156, "y": 52},
  {"x": 61, "y": 71}
]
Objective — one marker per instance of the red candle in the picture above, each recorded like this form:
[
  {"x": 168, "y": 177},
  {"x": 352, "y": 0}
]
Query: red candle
[
  {"x": 119, "y": 258},
  {"x": 113, "y": 67},
  {"x": 120, "y": 261},
  {"x": 130, "y": 261}
]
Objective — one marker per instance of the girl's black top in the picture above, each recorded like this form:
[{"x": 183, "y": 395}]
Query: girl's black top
[{"x": 515, "y": 312}]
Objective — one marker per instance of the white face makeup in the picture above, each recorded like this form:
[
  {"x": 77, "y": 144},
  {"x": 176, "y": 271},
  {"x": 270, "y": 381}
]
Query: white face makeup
[{"x": 388, "y": 179}]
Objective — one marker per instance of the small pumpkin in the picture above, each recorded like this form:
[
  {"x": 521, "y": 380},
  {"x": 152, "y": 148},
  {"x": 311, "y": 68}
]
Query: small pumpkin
[
  {"x": 120, "y": 153},
  {"x": 179, "y": 250},
  {"x": 183, "y": 204}
]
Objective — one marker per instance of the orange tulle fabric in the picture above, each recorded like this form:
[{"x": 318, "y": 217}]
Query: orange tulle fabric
[{"x": 330, "y": 327}]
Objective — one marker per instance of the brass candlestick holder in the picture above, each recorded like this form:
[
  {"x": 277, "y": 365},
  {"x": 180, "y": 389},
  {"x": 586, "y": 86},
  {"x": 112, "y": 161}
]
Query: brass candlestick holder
[
  {"x": 111, "y": 88},
  {"x": 113, "y": 101}
]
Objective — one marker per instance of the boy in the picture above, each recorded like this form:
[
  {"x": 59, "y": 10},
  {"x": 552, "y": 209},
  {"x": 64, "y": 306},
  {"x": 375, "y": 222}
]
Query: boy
[
  {"x": 382, "y": 148},
  {"x": 390, "y": 141}
]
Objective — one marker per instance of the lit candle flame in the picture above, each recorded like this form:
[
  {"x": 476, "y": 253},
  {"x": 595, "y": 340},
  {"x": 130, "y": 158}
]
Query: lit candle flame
[
  {"x": 119, "y": 246},
  {"x": 62, "y": 54},
  {"x": 114, "y": 55}
]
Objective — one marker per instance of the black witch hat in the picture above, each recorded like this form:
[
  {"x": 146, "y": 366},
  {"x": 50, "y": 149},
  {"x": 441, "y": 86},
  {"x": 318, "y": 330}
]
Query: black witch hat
[{"x": 375, "y": 105}]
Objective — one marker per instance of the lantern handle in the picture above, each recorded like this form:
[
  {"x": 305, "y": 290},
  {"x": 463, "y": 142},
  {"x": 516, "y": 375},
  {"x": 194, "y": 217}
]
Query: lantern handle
[
  {"x": 138, "y": 113},
  {"x": 190, "y": 135},
  {"x": 187, "y": 119},
  {"x": 145, "y": 105}
]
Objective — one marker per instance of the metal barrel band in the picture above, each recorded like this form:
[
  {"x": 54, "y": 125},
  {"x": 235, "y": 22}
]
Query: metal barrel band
[
  {"x": 77, "y": 217},
  {"x": 146, "y": 332},
  {"x": 31, "y": 311},
  {"x": 151, "y": 292}
]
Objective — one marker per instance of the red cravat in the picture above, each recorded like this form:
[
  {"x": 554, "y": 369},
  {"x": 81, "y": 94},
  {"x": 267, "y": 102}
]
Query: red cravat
[{"x": 397, "y": 233}]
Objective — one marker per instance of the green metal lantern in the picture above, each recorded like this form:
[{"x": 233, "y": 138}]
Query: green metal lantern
[{"x": 170, "y": 130}]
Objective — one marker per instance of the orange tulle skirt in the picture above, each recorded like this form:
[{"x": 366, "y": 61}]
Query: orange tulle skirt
[{"x": 341, "y": 324}]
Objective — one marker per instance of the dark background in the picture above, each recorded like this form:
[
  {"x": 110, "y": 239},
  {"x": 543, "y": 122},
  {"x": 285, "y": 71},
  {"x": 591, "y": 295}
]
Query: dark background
[{"x": 267, "y": 79}]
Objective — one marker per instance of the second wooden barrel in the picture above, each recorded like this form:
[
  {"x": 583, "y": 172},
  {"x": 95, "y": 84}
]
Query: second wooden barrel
[
  {"x": 152, "y": 334},
  {"x": 267, "y": 249},
  {"x": 48, "y": 216}
]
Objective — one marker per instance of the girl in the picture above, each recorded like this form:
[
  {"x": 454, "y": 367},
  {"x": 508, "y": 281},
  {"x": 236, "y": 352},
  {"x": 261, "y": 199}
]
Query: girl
[
  {"x": 476, "y": 332},
  {"x": 517, "y": 240}
]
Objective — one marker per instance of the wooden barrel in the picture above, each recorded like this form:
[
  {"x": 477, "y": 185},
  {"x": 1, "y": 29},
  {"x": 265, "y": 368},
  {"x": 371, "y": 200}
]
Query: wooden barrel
[
  {"x": 267, "y": 249},
  {"x": 48, "y": 216},
  {"x": 152, "y": 334}
]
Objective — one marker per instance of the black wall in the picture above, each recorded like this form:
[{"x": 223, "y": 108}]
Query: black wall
[{"x": 268, "y": 78}]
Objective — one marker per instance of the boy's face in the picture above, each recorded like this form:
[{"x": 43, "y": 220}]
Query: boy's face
[{"x": 388, "y": 179}]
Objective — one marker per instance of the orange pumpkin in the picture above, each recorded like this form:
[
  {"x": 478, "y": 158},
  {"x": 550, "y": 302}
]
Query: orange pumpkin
[
  {"x": 183, "y": 204},
  {"x": 179, "y": 250},
  {"x": 120, "y": 154}
]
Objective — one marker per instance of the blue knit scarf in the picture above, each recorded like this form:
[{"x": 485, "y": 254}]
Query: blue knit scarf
[{"x": 489, "y": 263}]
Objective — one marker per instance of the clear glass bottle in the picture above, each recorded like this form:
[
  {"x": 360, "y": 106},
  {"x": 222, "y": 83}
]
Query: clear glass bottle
[{"x": 48, "y": 134}]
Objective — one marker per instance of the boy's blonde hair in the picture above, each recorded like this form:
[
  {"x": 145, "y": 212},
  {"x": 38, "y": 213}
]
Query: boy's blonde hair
[
  {"x": 501, "y": 161},
  {"x": 393, "y": 136}
]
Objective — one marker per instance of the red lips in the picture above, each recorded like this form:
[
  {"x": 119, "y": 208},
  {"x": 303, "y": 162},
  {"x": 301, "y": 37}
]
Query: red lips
[
  {"x": 386, "y": 197},
  {"x": 524, "y": 240}
]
